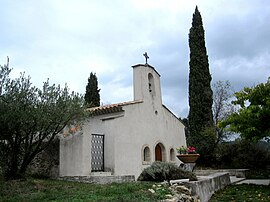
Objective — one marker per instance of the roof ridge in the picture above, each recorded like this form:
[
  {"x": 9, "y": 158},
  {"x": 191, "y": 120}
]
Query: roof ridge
[
  {"x": 111, "y": 108},
  {"x": 117, "y": 104}
]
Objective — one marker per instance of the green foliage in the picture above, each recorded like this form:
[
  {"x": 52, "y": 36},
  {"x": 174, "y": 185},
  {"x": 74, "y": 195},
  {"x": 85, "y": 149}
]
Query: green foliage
[
  {"x": 242, "y": 154},
  {"x": 56, "y": 190},
  {"x": 92, "y": 97},
  {"x": 160, "y": 171},
  {"x": 206, "y": 142},
  {"x": 200, "y": 92},
  {"x": 259, "y": 173},
  {"x": 31, "y": 118},
  {"x": 253, "y": 118}
]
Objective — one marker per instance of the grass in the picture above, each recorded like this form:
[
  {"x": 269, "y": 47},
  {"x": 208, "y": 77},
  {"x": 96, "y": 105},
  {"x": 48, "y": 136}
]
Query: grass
[
  {"x": 34, "y": 189},
  {"x": 56, "y": 190},
  {"x": 246, "y": 192},
  {"x": 243, "y": 192}
]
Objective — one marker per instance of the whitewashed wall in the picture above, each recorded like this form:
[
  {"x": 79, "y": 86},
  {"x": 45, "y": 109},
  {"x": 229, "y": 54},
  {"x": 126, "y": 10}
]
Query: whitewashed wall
[{"x": 126, "y": 133}]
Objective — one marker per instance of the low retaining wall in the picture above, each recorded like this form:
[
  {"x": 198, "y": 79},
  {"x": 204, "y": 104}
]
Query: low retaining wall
[
  {"x": 232, "y": 172},
  {"x": 100, "y": 179},
  {"x": 206, "y": 186}
]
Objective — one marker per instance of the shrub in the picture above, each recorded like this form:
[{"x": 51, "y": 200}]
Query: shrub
[
  {"x": 160, "y": 171},
  {"x": 205, "y": 143},
  {"x": 242, "y": 154}
]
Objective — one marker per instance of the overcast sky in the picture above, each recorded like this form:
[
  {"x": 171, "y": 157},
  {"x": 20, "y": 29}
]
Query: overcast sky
[{"x": 65, "y": 40}]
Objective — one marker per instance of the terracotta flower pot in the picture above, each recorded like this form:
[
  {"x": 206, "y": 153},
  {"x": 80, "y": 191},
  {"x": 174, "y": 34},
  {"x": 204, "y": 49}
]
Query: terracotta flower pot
[{"x": 188, "y": 158}]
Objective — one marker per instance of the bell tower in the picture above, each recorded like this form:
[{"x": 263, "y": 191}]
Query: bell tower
[{"x": 146, "y": 83}]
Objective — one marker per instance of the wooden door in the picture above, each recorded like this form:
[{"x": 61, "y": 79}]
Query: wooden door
[{"x": 158, "y": 153}]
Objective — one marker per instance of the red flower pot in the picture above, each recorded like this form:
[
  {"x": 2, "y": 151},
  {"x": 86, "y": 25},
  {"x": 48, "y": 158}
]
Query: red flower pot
[{"x": 188, "y": 158}]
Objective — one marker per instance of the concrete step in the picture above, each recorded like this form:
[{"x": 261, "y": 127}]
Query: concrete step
[
  {"x": 255, "y": 181},
  {"x": 102, "y": 178},
  {"x": 235, "y": 179}
]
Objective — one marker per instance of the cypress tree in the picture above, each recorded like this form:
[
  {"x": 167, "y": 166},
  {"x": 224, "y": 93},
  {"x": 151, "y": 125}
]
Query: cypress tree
[
  {"x": 92, "y": 97},
  {"x": 200, "y": 92}
]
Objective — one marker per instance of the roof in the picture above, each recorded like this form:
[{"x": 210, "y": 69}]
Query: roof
[
  {"x": 112, "y": 108},
  {"x": 118, "y": 107}
]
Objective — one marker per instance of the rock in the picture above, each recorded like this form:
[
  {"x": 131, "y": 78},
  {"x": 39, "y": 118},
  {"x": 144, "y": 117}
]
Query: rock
[
  {"x": 152, "y": 191},
  {"x": 183, "y": 190},
  {"x": 181, "y": 194},
  {"x": 174, "y": 199},
  {"x": 169, "y": 196},
  {"x": 164, "y": 183}
]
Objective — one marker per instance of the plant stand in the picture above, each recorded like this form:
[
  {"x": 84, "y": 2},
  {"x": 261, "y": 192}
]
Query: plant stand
[
  {"x": 188, "y": 166},
  {"x": 188, "y": 161}
]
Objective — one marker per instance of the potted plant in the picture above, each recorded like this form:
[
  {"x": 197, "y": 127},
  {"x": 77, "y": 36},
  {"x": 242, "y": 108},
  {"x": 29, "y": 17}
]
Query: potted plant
[{"x": 187, "y": 154}]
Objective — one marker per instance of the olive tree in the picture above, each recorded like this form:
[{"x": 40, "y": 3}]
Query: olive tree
[{"x": 31, "y": 118}]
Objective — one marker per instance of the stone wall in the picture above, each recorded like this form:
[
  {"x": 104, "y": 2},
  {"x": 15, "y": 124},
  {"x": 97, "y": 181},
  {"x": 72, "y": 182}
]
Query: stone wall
[{"x": 232, "y": 172}]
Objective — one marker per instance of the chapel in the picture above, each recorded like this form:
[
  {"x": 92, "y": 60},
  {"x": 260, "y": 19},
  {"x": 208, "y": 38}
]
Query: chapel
[{"x": 124, "y": 138}]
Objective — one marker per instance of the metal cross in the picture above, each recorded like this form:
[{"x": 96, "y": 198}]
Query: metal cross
[{"x": 146, "y": 57}]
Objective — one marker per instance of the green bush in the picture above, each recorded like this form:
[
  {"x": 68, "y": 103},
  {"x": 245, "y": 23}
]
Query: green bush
[
  {"x": 205, "y": 145},
  {"x": 242, "y": 154},
  {"x": 160, "y": 171}
]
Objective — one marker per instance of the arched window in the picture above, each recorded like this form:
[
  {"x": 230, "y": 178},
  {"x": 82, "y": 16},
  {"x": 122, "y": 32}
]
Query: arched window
[
  {"x": 146, "y": 154},
  {"x": 172, "y": 154},
  {"x": 151, "y": 83}
]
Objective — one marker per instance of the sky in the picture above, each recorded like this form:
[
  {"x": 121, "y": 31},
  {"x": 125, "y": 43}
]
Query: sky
[{"x": 65, "y": 40}]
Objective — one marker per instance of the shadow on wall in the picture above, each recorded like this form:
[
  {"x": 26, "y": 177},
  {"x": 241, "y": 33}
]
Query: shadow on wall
[{"x": 46, "y": 163}]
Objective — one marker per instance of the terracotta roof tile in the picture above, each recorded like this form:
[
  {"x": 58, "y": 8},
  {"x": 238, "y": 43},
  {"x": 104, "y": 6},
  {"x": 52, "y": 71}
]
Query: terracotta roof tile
[{"x": 111, "y": 108}]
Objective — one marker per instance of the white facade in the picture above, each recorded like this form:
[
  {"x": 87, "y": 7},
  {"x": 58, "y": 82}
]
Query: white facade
[{"x": 135, "y": 133}]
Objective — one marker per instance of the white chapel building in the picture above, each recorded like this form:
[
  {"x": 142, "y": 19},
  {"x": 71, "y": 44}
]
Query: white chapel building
[{"x": 125, "y": 138}]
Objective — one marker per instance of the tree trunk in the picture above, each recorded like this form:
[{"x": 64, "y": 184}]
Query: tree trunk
[{"x": 11, "y": 171}]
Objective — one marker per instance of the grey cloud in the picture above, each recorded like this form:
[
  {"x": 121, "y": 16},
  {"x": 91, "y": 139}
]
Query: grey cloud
[{"x": 108, "y": 37}]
